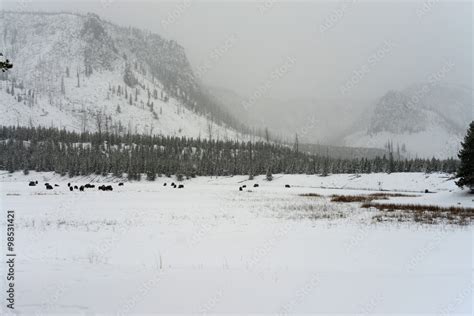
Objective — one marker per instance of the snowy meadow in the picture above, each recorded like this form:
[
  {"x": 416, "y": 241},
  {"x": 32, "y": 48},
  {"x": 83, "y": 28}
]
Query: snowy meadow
[{"x": 210, "y": 248}]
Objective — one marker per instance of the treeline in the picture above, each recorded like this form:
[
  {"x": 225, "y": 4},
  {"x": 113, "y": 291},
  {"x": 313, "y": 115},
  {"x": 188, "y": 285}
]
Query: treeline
[{"x": 74, "y": 154}]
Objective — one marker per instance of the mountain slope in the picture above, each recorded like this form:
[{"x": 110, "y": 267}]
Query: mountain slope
[
  {"x": 82, "y": 73},
  {"x": 423, "y": 120}
]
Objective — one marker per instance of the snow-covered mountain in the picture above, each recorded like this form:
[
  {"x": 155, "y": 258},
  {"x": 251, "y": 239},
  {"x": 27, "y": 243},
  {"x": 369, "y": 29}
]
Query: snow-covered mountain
[
  {"x": 80, "y": 72},
  {"x": 423, "y": 120}
]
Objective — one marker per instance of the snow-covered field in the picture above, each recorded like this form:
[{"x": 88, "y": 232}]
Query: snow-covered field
[{"x": 210, "y": 248}]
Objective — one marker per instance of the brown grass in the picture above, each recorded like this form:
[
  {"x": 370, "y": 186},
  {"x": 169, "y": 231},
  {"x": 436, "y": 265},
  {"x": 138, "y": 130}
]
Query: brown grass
[
  {"x": 366, "y": 198},
  {"x": 310, "y": 195},
  {"x": 429, "y": 214}
]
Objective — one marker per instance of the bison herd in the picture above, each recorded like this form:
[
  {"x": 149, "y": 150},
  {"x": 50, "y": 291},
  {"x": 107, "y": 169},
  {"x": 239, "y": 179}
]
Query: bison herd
[
  {"x": 82, "y": 188},
  {"x": 256, "y": 185},
  {"x": 174, "y": 185},
  {"x": 72, "y": 187},
  {"x": 103, "y": 187}
]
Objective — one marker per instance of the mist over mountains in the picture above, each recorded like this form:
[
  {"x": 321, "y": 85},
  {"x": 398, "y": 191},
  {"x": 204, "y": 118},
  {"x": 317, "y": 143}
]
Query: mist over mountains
[{"x": 83, "y": 73}]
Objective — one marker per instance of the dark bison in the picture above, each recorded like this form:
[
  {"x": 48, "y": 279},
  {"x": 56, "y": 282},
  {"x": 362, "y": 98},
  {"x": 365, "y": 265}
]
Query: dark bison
[
  {"x": 71, "y": 189},
  {"x": 32, "y": 184},
  {"x": 244, "y": 186},
  {"x": 164, "y": 184},
  {"x": 120, "y": 184},
  {"x": 56, "y": 185},
  {"x": 69, "y": 184},
  {"x": 48, "y": 187},
  {"x": 106, "y": 188},
  {"x": 256, "y": 185},
  {"x": 172, "y": 184},
  {"x": 181, "y": 186},
  {"x": 75, "y": 187},
  {"x": 240, "y": 189},
  {"x": 81, "y": 188},
  {"x": 287, "y": 186}
]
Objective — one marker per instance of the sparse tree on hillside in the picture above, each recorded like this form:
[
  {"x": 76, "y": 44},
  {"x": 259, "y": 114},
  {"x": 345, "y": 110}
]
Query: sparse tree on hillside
[
  {"x": 63, "y": 88},
  {"x": 296, "y": 143}
]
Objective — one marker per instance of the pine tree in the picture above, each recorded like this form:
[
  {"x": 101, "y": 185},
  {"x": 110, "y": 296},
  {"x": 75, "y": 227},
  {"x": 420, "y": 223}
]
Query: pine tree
[
  {"x": 63, "y": 88},
  {"x": 269, "y": 175},
  {"x": 466, "y": 155}
]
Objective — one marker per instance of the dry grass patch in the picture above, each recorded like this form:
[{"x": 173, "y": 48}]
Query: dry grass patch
[
  {"x": 428, "y": 214},
  {"x": 310, "y": 195},
  {"x": 366, "y": 197}
]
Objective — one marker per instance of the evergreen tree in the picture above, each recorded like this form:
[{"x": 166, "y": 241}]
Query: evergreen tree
[
  {"x": 466, "y": 169},
  {"x": 269, "y": 175},
  {"x": 63, "y": 88}
]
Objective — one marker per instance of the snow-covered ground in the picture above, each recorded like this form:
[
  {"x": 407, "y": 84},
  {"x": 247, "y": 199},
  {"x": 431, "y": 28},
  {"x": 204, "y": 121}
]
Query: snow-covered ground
[{"x": 210, "y": 248}]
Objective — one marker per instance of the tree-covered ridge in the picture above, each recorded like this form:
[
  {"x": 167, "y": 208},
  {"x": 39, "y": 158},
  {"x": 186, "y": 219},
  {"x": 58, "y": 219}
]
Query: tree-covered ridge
[{"x": 49, "y": 149}]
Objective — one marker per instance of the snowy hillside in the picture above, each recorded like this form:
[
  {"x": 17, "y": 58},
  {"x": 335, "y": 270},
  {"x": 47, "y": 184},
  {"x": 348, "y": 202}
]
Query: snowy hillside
[
  {"x": 81, "y": 73},
  {"x": 423, "y": 120}
]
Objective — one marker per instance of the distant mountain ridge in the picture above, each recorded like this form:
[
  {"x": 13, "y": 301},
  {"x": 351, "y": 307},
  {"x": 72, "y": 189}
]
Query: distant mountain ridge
[{"x": 425, "y": 119}]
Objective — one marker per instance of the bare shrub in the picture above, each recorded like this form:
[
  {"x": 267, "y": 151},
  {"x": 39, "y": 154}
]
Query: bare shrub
[{"x": 310, "y": 195}]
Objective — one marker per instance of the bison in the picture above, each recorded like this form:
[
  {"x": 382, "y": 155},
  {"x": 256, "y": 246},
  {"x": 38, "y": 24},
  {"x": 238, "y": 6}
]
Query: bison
[
  {"x": 120, "y": 184},
  {"x": 256, "y": 185},
  {"x": 287, "y": 186},
  {"x": 106, "y": 188},
  {"x": 181, "y": 186},
  {"x": 32, "y": 184},
  {"x": 48, "y": 187},
  {"x": 71, "y": 189},
  {"x": 240, "y": 189}
]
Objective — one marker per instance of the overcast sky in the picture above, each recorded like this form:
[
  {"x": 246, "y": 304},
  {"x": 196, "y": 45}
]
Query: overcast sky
[{"x": 307, "y": 49}]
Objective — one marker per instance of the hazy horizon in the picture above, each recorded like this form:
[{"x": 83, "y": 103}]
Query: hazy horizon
[{"x": 302, "y": 50}]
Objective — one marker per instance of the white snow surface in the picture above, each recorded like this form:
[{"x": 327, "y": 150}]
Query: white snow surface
[{"x": 210, "y": 248}]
